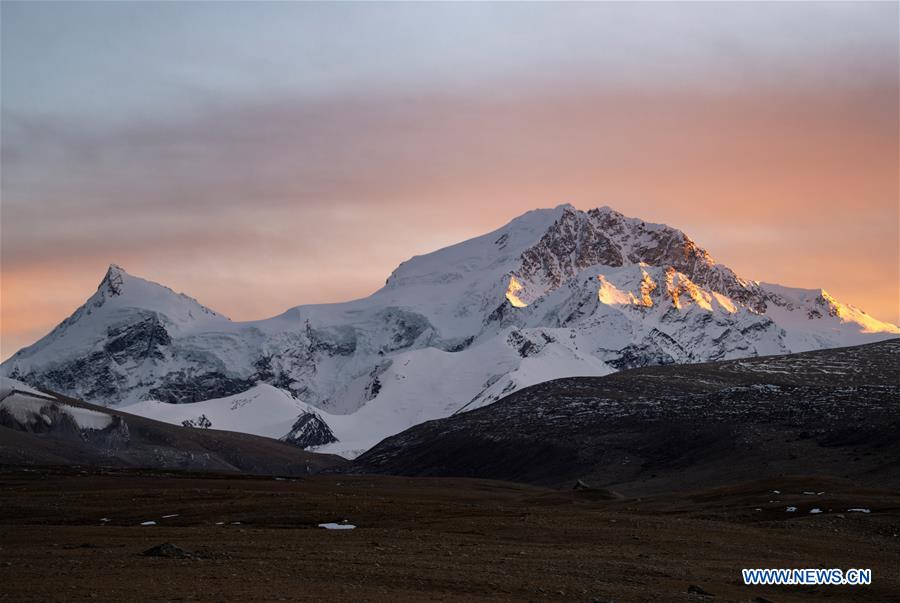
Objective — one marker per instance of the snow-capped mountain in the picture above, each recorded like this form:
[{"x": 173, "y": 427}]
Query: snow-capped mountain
[{"x": 554, "y": 293}]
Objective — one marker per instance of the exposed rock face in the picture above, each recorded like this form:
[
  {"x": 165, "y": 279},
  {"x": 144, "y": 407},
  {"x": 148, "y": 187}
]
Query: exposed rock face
[
  {"x": 572, "y": 244},
  {"x": 578, "y": 240},
  {"x": 184, "y": 386},
  {"x": 201, "y": 422},
  {"x": 93, "y": 376},
  {"x": 309, "y": 430},
  {"x": 529, "y": 344},
  {"x": 168, "y": 550},
  {"x": 648, "y": 352},
  {"x": 138, "y": 341},
  {"x": 113, "y": 280}
]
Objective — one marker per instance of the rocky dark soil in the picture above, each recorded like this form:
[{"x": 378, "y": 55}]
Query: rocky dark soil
[{"x": 72, "y": 535}]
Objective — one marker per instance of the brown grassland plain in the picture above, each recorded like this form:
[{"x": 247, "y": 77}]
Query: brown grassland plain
[{"x": 421, "y": 539}]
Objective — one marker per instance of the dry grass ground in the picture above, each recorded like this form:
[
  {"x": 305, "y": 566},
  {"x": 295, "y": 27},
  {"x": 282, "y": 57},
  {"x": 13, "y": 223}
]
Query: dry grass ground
[{"x": 421, "y": 539}]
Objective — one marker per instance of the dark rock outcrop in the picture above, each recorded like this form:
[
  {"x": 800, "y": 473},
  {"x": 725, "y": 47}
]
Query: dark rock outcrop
[{"x": 309, "y": 430}]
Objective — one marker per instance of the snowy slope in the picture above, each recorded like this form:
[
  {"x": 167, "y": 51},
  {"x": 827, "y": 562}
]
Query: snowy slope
[
  {"x": 813, "y": 319},
  {"x": 556, "y": 292},
  {"x": 261, "y": 410}
]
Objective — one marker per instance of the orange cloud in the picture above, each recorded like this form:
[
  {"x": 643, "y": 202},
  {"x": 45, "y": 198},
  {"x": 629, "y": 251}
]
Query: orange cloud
[{"x": 256, "y": 208}]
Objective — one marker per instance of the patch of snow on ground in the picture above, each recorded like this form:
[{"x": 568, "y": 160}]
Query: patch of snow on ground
[{"x": 337, "y": 526}]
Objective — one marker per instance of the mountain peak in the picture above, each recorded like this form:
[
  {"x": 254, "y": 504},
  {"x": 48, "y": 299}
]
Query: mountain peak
[
  {"x": 605, "y": 209},
  {"x": 554, "y": 293},
  {"x": 119, "y": 289},
  {"x": 541, "y": 249},
  {"x": 114, "y": 280},
  {"x": 578, "y": 239}
]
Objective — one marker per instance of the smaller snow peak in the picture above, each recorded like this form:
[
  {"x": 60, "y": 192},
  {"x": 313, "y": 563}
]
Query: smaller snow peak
[
  {"x": 537, "y": 221},
  {"x": 851, "y": 314}
]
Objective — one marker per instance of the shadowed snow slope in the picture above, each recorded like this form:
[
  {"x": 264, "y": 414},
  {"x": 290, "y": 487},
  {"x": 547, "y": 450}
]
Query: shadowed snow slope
[{"x": 554, "y": 293}]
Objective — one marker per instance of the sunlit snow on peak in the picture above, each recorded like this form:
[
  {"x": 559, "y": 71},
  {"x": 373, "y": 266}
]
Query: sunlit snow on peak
[
  {"x": 852, "y": 314},
  {"x": 679, "y": 286},
  {"x": 611, "y": 295},
  {"x": 512, "y": 293}
]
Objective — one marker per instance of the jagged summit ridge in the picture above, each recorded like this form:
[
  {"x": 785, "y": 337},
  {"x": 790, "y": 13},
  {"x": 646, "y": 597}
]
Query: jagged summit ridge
[
  {"x": 555, "y": 292},
  {"x": 141, "y": 293},
  {"x": 577, "y": 240},
  {"x": 113, "y": 281}
]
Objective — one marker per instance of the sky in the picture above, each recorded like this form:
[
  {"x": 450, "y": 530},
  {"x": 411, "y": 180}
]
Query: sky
[{"x": 259, "y": 156}]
